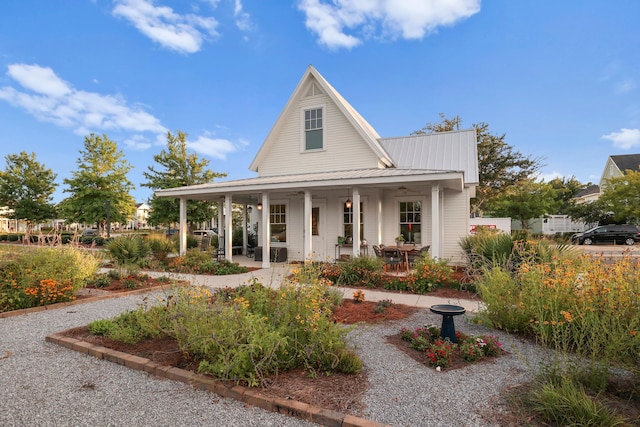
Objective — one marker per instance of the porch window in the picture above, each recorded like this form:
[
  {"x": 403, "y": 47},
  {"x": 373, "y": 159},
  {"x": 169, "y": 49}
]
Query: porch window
[
  {"x": 348, "y": 221},
  {"x": 278, "y": 222},
  {"x": 313, "y": 129},
  {"x": 411, "y": 221}
]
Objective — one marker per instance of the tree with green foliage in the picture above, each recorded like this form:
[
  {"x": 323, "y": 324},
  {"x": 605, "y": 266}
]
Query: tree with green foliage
[
  {"x": 26, "y": 188},
  {"x": 100, "y": 189},
  {"x": 500, "y": 165},
  {"x": 178, "y": 168},
  {"x": 621, "y": 196},
  {"x": 564, "y": 192},
  {"x": 525, "y": 200}
]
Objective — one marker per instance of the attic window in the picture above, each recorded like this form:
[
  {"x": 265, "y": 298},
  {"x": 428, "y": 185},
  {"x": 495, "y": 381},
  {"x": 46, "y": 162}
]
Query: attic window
[{"x": 313, "y": 129}]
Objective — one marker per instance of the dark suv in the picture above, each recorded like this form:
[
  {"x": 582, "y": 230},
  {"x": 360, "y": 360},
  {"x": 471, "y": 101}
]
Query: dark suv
[{"x": 614, "y": 233}]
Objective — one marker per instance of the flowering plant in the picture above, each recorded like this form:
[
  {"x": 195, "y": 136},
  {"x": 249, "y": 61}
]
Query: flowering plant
[{"x": 440, "y": 353}]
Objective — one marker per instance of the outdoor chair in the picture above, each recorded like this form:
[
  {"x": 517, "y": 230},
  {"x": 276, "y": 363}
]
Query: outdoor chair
[
  {"x": 393, "y": 259},
  {"x": 415, "y": 255},
  {"x": 378, "y": 251}
]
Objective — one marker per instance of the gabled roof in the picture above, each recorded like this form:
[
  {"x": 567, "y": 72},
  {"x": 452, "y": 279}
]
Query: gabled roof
[
  {"x": 443, "y": 151},
  {"x": 592, "y": 189},
  {"x": 627, "y": 162},
  {"x": 366, "y": 131}
]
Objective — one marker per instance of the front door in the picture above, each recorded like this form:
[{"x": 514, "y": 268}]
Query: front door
[{"x": 318, "y": 231}]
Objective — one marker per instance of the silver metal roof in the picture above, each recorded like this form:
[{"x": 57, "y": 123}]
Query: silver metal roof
[
  {"x": 381, "y": 178},
  {"x": 452, "y": 151}
]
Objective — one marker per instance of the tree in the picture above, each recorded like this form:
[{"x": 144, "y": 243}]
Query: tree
[
  {"x": 500, "y": 165},
  {"x": 564, "y": 192},
  {"x": 178, "y": 169},
  {"x": 100, "y": 189},
  {"x": 621, "y": 196},
  {"x": 525, "y": 200},
  {"x": 26, "y": 188}
]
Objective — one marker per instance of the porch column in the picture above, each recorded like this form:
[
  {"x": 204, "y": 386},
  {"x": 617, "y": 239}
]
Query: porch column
[
  {"x": 356, "y": 222},
  {"x": 436, "y": 234},
  {"x": 266, "y": 232},
  {"x": 228, "y": 228},
  {"x": 307, "y": 228},
  {"x": 183, "y": 226},
  {"x": 245, "y": 236},
  {"x": 378, "y": 205},
  {"x": 221, "y": 232}
]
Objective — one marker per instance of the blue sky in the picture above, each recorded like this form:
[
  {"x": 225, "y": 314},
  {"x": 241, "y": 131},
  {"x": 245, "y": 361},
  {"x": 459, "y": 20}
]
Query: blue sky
[{"x": 560, "y": 79}]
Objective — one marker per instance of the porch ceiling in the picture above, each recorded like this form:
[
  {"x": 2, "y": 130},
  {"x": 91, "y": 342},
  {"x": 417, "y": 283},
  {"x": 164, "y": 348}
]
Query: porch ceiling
[{"x": 246, "y": 190}]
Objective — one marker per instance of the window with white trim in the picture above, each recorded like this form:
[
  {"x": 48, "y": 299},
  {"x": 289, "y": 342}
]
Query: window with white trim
[
  {"x": 411, "y": 221},
  {"x": 348, "y": 221},
  {"x": 313, "y": 129},
  {"x": 278, "y": 223}
]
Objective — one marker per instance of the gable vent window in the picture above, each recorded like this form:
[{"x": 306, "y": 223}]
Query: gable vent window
[{"x": 313, "y": 129}]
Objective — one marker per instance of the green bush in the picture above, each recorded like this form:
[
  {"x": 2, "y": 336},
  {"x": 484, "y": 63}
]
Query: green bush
[
  {"x": 13, "y": 237},
  {"x": 429, "y": 274},
  {"x": 43, "y": 275},
  {"x": 247, "y": 333},
  {"x": 360, "y": 271},
  {"x": 129, "y": 249}
]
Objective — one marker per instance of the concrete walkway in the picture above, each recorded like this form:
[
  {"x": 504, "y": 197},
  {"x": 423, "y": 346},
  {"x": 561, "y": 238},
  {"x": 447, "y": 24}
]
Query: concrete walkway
[{"x": 273, "y": 277}]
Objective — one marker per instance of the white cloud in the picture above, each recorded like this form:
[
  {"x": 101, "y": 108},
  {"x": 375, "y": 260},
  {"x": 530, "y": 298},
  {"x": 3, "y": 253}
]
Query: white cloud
[
  {"x": 396, "y": 18},
  {"x": 547, "y": 177},
  {"x": 51, "y": 99},
  {"x": 213, "y": 147},
  {"x": 625, "y": 139},
  {"x": 137, "y": 142},
  {"x": 243, "y": 20},
  {"x": 181, "y": 33},
  {"x": 625, "y": 86}
]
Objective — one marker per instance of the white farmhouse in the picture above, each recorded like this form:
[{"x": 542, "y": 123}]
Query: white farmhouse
[{"x": 323, "y": 165}]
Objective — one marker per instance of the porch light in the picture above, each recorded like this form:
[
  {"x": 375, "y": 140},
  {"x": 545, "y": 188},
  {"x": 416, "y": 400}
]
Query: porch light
[
  {"x": 259, "y": 206},
  {"x": 347, "y": 204}
]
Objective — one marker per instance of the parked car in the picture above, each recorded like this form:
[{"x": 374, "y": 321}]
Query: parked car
[
  {"x": 612, "y": 234},
  {"x": 90, "y": 232},
  {"x": 171, "y": 232},
  {"x": 202, "y": 233}
]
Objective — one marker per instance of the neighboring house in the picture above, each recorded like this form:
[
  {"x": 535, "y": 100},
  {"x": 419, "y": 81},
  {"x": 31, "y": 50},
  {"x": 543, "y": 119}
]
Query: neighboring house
[
  {"x": 322, "y": 165},
  {"x": 140, "y": 218},
  {"x": 551, "y": 224},
  {"x": 618, "y": 165},
  {"x": 588, "y": 195}
]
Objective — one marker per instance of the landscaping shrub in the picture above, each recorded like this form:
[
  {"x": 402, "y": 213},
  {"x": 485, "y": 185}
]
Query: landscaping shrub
[
  {"x": 429, "y": 274},
  {"x": 41, "y": 276},
  {"x": 129, "y": 249},
  {"x": 247, "y": 333},
  {"x": 161, "y": 247}
]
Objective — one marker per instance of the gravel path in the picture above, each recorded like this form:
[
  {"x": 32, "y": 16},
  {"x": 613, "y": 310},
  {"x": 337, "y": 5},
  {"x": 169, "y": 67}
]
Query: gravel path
[{"x": 46, "y": 385}]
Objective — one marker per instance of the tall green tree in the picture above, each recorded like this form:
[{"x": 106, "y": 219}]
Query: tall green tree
[
  {"x": 500, "y": 165},
  {"x": 621, "y": 197},
  {"x": 177, "y": 168},
  {"x": 564, "y": 191},
  {"x": 26, "y": 187},
  {"x": 526, "y": 200},
  {"x": 99, "y": 189}
]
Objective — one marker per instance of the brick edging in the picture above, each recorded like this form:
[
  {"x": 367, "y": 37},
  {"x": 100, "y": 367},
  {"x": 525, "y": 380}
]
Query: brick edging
[
  {"x": 247, "y": 395},
  {"x": 82, "y": 301}
]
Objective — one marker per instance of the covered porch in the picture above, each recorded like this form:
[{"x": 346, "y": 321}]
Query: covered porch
[{"x": 307, "y": 213}]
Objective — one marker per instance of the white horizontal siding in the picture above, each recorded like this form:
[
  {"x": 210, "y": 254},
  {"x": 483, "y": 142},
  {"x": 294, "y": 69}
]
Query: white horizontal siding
[
  {"x": 455, "y": 223},
  {"x": 344, "y": 148}
]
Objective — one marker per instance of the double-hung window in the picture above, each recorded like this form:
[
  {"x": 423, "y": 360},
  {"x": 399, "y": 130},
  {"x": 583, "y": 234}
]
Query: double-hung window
[
  {"x": 313, "y": 129},
  {"x": 348, "y": 222},
  {"x": 411, "y": 221},
  {"x": 278, "y": 223}
]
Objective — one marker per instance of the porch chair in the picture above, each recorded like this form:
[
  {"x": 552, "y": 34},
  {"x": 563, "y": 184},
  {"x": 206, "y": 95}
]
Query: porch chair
[
  {"x": 205, "y": 243},
  {"x": 378, "y": 251},
  {"x": 393, "y": 258},
  {"x": 415, "y": 255}
]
